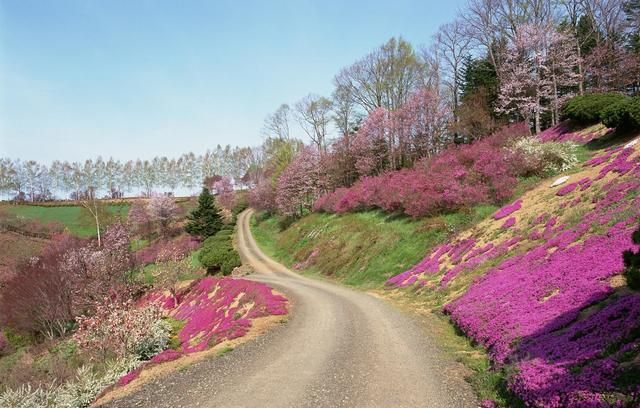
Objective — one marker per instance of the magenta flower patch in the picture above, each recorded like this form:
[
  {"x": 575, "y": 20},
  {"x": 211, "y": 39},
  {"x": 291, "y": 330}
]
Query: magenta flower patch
[
  {"x": 507, "y": 210},
  {"x": 127, "y": 378},
  {"x": 218, "y": 309},
  {"x": 567, "y": 189},
  {"x": 167, "y": 355},
  {"x": 547, "y": 308},
  {"x": 510, "y": 222}
]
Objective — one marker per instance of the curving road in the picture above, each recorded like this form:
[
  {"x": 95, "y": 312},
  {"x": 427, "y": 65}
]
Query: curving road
[{"x": 340, "y": 348}]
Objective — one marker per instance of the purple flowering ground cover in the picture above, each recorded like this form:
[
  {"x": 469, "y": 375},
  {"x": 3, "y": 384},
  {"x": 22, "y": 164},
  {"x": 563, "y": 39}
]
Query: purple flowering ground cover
[
  {"x": 542, "y": 291},
  {"x": 213, "y": 309},
  {"x": 217, "y": 309}
]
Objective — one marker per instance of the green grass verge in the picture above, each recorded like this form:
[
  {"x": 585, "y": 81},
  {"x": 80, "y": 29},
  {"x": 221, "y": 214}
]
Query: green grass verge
[
  {"x": 361, "y": 249},
  {"x": 71, "y": 217}
]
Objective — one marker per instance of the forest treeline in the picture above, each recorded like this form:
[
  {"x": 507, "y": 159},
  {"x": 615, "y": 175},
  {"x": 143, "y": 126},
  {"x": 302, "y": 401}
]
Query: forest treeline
[{"x": 496, "y": 62}]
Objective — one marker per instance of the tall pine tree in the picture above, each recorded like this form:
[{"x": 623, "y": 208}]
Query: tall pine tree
[{"x": 204, "y": 221}]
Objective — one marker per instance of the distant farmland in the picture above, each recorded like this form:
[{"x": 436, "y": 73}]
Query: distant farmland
[{"x": 70, "y": 216}]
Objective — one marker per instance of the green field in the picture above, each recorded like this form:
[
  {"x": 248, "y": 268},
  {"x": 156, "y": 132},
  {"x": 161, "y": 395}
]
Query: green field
[{"x": 72, "y": 217}]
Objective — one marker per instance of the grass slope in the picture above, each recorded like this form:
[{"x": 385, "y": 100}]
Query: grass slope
[{"x": 360, "y": 249}]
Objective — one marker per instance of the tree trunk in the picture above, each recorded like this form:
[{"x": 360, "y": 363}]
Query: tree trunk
[
  {"x": 555, "y": 113},
  {"x": 98, "y": 230},
  {"x": 580, "y": 68}
]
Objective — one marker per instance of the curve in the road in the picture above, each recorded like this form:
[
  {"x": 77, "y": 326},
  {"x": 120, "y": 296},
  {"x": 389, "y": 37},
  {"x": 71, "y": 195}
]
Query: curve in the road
[{"x": 340, "y": 348}]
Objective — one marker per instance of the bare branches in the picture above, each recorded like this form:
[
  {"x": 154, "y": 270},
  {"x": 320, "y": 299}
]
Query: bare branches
[
  {"x": 313, "y": 113},
  {"x": 277, "y": 124},
  {"x": 383, "y": 78}
]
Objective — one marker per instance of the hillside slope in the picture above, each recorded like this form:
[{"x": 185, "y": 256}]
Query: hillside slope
[
  {"x": 538, "y": 283},
  {"x": 364, "y": 248}
]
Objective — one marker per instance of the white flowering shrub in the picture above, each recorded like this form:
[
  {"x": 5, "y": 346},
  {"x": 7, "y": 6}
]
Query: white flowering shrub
[
  {"x": 156, "y": 340},
  {"x": 122, "y": 329},
  {"x": 535, "y": 157},
  {"x": 28, "y": 397},
  {"x": 77, "y": 393}
]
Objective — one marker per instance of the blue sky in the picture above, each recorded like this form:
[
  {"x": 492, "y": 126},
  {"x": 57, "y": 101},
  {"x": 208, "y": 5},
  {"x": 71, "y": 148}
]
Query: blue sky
[{"x": 136, "y": 78}]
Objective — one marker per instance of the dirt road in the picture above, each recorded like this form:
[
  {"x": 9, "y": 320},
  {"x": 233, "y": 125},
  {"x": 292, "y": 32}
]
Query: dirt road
[{"x": 340, "y": 348}]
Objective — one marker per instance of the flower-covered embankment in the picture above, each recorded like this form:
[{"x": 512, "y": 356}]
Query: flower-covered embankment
[
  {"x": 542, "y": 292},
  {"x": 212, "y": 310}
]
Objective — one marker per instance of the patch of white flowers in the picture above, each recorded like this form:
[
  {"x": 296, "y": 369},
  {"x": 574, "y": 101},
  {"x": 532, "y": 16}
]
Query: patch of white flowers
[
  {"x": 77, "y": 393},
  {"x": 155, "y": 341},
  {"x": 550, "y": 157},
  {"x": 87, "y": 384}
]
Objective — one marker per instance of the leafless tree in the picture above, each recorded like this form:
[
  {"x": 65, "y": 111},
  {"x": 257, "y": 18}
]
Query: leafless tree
[
  {"x": 383, "y": 78},
  {"x": 452, "y": 45},
  {"x": 277, "y": 124},
  {"x": 313, "y": 113},
  {"x": 345, "y": 113}
]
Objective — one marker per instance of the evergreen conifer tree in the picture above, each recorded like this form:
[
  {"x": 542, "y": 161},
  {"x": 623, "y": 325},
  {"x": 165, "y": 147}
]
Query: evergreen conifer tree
[{"x": 204, "y": 221}]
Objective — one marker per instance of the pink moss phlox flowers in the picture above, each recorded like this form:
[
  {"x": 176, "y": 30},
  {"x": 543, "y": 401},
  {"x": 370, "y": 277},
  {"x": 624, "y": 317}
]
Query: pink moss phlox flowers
[
  {"x": 567, "y": 189},
  {"x": 510, "y": 222},
  {"x": 555, "y": 133},
  {"x": 528, "y": 311},
  {"x": 166, "y": 355},
  {"x": 507, "y": 210},
  {"x": 217, "y": 309},
  {"x": 130, "y": 376}
]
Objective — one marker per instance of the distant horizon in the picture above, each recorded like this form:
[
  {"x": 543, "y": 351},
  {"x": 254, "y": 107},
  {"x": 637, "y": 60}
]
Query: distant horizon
[{"x": 80, "y": 80}]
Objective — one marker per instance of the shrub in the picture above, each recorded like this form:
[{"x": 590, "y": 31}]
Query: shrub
[
  {"x": 220, "y": 257},
  {"x": 78, "y": 393},
  {"x": 624, "y": 114},
  {"x": 589, "y": 108},
  {"x": 632, "y": 264},
  {"x": 263, "y": 196},
  {"x": 231, "y": 262},
  {"x": 4, "y": 343},
  {"x": 461, "y": 176},
  {"x": 634, "y": 111},
  {"x": 123, "y": 330},
  {"x": 221, "y": 238},
  {"x": 218, "y": 254},
  {"x": 537, "y": 158},
  {"x": 155, "y": 341},
  {"x": 241, "y": 202},
  {"x": 39, "y": 298},
  {"x": 616, "y": 115},
  {"x": 163, "y": 250}
]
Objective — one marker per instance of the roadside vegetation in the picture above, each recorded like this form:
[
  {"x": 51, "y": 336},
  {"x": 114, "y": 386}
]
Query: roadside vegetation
[{"x": 79, "y": 316}]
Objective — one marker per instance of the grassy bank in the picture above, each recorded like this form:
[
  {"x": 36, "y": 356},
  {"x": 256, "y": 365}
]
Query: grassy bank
[{"x": 360, "y": 249}]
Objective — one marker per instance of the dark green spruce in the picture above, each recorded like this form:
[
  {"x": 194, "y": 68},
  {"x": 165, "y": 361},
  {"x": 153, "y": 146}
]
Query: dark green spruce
[{"x": 204, "y": 221}]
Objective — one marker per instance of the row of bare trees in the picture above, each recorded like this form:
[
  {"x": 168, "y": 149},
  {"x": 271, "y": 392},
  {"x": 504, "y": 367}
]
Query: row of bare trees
[{"x": 33, "y": 181}]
